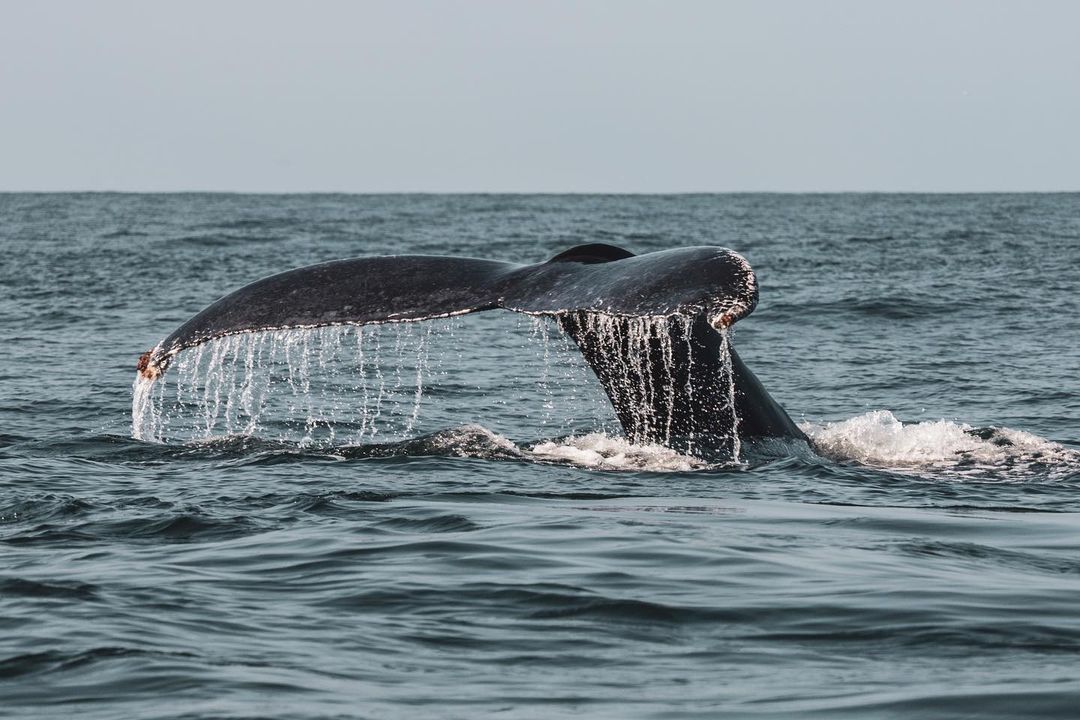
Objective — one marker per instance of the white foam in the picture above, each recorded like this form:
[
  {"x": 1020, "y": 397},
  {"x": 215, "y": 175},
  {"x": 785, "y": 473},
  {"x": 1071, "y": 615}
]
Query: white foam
[
  {"x": 878, "y": 439},
  {"x": 605, "y": 452}
]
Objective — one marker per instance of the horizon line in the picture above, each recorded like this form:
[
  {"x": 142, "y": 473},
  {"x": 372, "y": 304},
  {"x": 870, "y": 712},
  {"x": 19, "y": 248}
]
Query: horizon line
[{"x": 629, "y": 193}]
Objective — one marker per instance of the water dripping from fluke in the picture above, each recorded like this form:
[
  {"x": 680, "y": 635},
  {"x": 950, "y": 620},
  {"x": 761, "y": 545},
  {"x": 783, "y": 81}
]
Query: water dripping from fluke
[
  {"x": 647, "y": 367},
  {"x": 325, "y": 386},
  {"x": 358, "y": 387}
]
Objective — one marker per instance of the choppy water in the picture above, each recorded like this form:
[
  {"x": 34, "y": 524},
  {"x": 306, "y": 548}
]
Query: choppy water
[{"x": 487, "y": 544}]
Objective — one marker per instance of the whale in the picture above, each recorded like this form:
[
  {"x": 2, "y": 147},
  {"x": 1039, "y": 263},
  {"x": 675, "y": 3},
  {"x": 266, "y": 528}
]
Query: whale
[{"x": 653, "y": 327}]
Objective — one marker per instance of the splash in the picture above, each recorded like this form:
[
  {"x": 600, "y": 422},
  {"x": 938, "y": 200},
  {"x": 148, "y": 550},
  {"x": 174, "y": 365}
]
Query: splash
[
  {"x": 599, "y": 451},
  {"x": 593, "y": 451},
  {"x": 943, "y": 448}
]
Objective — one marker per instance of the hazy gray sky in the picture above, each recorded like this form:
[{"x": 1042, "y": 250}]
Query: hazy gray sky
[{"x": 540, "y": 95}]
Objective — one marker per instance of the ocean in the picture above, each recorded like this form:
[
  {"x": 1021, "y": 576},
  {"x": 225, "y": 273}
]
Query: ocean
[{"x": 442, "y": 520}]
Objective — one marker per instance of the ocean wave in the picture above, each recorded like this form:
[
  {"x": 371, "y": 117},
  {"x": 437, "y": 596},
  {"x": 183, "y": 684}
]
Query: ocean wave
[
  {"x": 942, "y": 448},
  {"x": 54, "y": 589},
  {"x": 596, "y": 451},
  {"x": 168, "y": 527},
  {"x": 604, "y": 452}
]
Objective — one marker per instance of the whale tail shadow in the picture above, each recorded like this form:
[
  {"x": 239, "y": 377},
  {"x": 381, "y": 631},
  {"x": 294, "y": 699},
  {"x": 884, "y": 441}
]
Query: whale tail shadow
[{"x": 653, "y": 327}]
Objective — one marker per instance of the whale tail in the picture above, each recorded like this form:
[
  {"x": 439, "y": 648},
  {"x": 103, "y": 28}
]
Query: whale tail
[{"x": 652, "y": 327}]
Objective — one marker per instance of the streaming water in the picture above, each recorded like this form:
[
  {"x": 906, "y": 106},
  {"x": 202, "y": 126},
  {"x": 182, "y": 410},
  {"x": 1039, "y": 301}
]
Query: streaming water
[{"x": 325, "y": 385}]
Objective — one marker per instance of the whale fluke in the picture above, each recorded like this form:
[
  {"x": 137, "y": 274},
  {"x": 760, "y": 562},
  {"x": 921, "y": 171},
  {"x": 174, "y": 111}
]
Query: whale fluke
[{"x": 649, "y": 325}]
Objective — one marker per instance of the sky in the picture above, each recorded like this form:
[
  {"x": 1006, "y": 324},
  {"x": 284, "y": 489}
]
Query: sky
[{"x": 615, "y": 96}]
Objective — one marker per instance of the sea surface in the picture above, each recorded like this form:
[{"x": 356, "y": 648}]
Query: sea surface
[{"x": 441, "y": 520}]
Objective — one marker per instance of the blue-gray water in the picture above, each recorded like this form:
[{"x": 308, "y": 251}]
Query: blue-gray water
[{"x": 497, "y": 567}]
